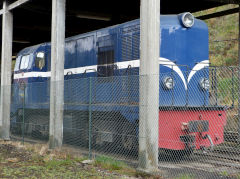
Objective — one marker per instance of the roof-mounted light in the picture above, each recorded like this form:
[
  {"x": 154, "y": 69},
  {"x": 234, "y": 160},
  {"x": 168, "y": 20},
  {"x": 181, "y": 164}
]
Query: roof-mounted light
[{"x": 187, "y": 19}]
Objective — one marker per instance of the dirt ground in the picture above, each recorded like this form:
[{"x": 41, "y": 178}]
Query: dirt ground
[{"x": 36, "y": 161}]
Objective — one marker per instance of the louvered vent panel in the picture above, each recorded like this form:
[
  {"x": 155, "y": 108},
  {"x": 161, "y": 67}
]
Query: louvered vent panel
[
  {"x": 126, "y": 48},
  {"x": 136, "y": 45},
  {"x": 130, "y": 42},
  {"x": 130, "y": 47}
]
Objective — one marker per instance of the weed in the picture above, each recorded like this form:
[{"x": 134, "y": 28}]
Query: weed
[
  {"x": 224, "y": 173},
  {"x": 185, "y": 176},
  {"x": 58, "y": 163},
  {"x": 238, "y": 176},
  {"x": 109, "y": 163}
]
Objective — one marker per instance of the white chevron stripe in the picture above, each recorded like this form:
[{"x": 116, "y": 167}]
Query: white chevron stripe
[
  {"x": 168, "y": 63},
  {"x": 199, "y": 66}
]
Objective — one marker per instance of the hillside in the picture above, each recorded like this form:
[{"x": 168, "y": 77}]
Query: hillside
[{"x": 223, "y": 35}]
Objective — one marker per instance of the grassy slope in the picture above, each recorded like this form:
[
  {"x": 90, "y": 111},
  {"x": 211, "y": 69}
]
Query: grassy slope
[{"x": 220, "y": 29}]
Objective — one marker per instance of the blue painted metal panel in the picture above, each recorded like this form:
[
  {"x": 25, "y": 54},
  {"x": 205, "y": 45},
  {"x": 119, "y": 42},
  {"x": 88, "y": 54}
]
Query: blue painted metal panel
[{"x": 183, "y": 46}]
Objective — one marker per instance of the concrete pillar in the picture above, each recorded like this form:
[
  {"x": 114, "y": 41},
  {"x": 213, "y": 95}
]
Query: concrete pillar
[
  {"x": 149, "y": 85},
  {"x": 57, "y": 74},
  {"x": 6, "y": 65}
]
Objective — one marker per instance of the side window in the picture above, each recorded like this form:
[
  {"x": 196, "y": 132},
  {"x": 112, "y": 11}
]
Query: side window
[
  {"x": 49, "y": 61},
  {"x": 24, "y": 62},
  {"x": 105, "y": 56},
  {"x": 105, "y": 62},
  {"x": 16, "y": 68},
  {"x": 40, "y": 60}
]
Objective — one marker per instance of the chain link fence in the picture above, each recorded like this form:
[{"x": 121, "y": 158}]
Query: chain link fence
[{"x": 199, "y": 123}]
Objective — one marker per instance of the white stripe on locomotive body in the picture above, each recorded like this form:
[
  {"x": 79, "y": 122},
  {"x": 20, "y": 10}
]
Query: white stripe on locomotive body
[
  {"x": 120, "y": 65},
  {"x": 33, "y": 74},
  {"x": 197, "y": 67},
  {"x": 168, "y": 63}
]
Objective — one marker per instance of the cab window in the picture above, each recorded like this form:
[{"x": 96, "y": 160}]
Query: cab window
[
  {"x": 40, "y": 60},
  {"x": 16, "y": 68},
  {"x": 105, "y": 62},
  {"x": 24, "y": 62},
  {"x": 105, "y": 55}
]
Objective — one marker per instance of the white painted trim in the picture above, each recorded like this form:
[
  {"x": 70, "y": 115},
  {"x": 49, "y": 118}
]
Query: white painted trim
[
  {"x": 120, "y": 65},
  {"x": 79, "y": 70},
  {"x": 168, "y": 63},
  {"x": 199, "y": 66},
  {"x": 32, "y": 75}
]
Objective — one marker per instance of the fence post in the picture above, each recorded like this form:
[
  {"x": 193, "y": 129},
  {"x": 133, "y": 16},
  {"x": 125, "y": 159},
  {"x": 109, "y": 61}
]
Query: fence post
[
  {"x": 233, "y": 82},
  {"x": 239, "y": 75},
  {"x": 23, "y": 114},
  {"x": 90, "y": 119}
]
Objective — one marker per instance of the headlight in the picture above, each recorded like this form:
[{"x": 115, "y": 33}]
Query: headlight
[
  {"x": 204, "y": 83},
  {"x": 168, "y": 82},
  {"x": 187, "y": 19}
]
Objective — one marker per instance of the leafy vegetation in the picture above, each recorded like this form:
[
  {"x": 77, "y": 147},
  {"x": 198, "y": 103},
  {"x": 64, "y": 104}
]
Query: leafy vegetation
[{"x": 223, "y": 35}]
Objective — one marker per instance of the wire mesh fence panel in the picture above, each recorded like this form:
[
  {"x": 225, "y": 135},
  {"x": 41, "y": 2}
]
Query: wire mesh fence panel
[
  {"x": 198, "y": 121},
  {"x": 100, "y": 124},
  {"x": 224, "y": 91},
  {"x": 224, "y": 52},
  {"x": 76, "y": 112},
  {"x": 30, "y": 110}
]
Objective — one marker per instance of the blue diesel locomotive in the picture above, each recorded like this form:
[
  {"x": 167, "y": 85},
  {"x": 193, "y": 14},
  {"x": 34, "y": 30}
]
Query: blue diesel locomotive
[{"x": 110, "y": 56}]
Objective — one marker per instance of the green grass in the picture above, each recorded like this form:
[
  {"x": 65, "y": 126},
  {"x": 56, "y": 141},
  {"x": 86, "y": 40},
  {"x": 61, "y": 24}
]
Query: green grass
[
  {"x": 225, "y": 173},
  {"x": 115, "y": 166},
  {"x": 36, "y": 167},
  {"x": 30, "y": 165},
  {"x": 228, "y": 89},
  {"x": 109, "y": 163},
  {"x": 58, "y": 163},
  {"x": 51, "y": 169},
  {"x": 185, "y": 176}
]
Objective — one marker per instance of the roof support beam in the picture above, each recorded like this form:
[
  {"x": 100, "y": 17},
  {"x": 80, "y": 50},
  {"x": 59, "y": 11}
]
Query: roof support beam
[
  {"x": 17, "y": 4},
  {"x": 6, "y": 64},
  {"x": 149, "y": 85},
  {"x": 219, "y": 14},
  {"x": 14, "y": 5},
  {"x": 226, "y": 1}
]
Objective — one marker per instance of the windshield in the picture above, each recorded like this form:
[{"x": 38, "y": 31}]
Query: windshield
[{"x": 24, "y": 62}]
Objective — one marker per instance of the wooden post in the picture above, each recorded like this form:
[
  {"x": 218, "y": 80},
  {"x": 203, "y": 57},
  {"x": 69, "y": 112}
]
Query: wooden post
[
  {"x": 6, "y": 72},
  {"x": 149, "y": 85},
  {"x": 57, "y": 74}
]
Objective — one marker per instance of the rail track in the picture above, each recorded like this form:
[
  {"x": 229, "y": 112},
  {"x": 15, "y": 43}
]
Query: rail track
[{"x": 230, "y": 136}]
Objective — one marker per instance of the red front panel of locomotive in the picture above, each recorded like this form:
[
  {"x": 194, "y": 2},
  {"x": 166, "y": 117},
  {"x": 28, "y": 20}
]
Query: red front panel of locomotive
[{"x": 172, "y": 125}]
